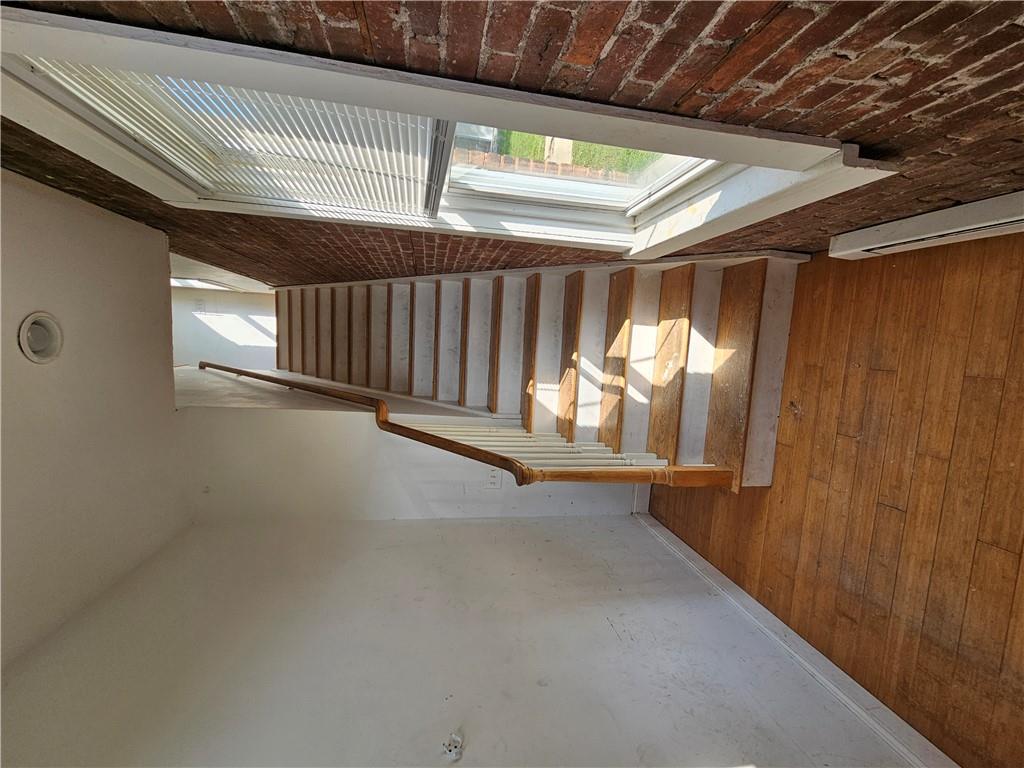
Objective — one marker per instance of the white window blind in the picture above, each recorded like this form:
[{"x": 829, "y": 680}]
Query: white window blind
[{"x": 248, "y": 145}]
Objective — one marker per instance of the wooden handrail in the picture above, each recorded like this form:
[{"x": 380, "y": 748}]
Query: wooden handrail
[{"x": 675, "y": 476}]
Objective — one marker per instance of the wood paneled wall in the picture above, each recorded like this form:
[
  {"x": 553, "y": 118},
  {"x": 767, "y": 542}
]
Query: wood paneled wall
[{"x": 891, "y": 537}]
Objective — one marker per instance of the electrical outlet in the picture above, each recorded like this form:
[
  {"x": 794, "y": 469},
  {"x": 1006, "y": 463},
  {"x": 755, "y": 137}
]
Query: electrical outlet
[{"x": 493, "y": 480}]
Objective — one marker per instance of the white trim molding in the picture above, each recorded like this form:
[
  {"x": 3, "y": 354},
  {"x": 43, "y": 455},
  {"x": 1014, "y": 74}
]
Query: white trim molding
[
  {"x": 995, "y": 216},
  {"x": 914, "y": 748}
]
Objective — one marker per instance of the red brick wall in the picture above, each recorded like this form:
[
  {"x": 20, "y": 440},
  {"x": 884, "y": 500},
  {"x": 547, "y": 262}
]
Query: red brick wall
[{"x": 936, "y": 86}]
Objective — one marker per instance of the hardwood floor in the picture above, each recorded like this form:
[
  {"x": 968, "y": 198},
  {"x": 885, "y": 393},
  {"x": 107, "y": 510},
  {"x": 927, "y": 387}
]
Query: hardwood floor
[{"x": 891, "y": 538}]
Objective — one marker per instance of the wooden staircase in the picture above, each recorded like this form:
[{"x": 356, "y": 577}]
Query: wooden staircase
[{"x": 652, "y": 367}]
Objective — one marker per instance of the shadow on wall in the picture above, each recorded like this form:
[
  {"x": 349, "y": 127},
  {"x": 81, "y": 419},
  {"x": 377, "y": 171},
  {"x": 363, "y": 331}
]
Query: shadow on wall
[{"x": 229, "y": 327}]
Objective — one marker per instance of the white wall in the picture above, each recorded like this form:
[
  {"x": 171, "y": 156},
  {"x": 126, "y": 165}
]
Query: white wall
[
  {"x": 89, "y": 463},
  {"x": 276, "y": 463},
  {"x": 226, "y": 327}
]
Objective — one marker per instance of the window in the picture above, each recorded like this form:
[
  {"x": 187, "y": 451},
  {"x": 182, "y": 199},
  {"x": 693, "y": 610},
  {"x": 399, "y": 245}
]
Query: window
[
  {"x": 214, "y": 126},
  {"x": 249, "y": 145},
  {"x": 504, "y": 162},
  {"x": 253, "y": 146}
]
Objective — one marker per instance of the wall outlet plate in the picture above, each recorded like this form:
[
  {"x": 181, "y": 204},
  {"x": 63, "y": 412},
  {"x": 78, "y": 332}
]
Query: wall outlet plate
[{"x": 493, "y": 481}]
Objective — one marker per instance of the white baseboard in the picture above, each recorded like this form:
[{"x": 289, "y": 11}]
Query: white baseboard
[{"x": 889, "y": 727}]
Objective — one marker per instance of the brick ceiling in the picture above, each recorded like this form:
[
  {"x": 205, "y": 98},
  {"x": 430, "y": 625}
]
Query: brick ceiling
[{"x": 936, "y": 86}]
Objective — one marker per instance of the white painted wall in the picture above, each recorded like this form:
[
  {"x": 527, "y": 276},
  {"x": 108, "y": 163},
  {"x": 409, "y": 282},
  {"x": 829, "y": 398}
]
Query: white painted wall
[
  {"x": 449, "y": 341},
  {"x": 769, "y": 370},
  {"x": 700, "y": 365},
  {"x": 478, "y": 343},
  {"x": 591, "y": 373},
  {"x": 640, "y": 371},
  {"x": 378, "y": 336},
  {"x": 90, "y": 468},
  {"x": 510, "y": 359},
  {"x": 400, "y": 295},
  {"x": 549, "y": 352},
  {"x": 423, "y": 345},
  {"x": 275, "y": 463},
  {"x": 358, "y": 373},
  {"x": 228, "y": 327}
]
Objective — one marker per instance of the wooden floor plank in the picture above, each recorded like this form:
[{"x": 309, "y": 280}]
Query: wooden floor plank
[
  {"x": 531, "y": 311},
  {"x": 788, "y": 506},
  {"x": 837, "y": 513},
  {"x": 949, "y": 350},
  {"x": 924, "y": 523},
  {"x": 955, "y": 543},
  {"x": 1002, "y": 522},
  {"x": 670, "y": 361},
  {"x": 568, "y": 378},
  {"x": 898, "y": 286},
  {"x": 843, "y": 284},
  {"x": 860, "y": 524},
  {"x": 618, "y": 330},
  {"x": 883, "y": 561},
  {"x": 974, "y": 692},
  {"x": 995, "y": 310},
  {"x": 911, "y": 379},
  {"x": 739, "y": 318},
  {"x": 864, "y": 317},
  {"x": 1006, "y": 734}
]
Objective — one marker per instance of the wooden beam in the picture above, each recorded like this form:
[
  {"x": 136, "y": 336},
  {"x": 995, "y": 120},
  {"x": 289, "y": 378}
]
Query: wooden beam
[
  {"x": 739, "y": 320},
  {"x": 616, "y": 356},
  {"x": 670, "y": 361},
  {"x": 568, "y": 377},
  {"x": 497, "y": 298},
  {"x": 530, "y": 314}
]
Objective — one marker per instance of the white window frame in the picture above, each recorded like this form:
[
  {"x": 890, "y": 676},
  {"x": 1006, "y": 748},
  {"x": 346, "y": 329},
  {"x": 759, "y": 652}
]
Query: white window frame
[{"x": 762, "y": 173}]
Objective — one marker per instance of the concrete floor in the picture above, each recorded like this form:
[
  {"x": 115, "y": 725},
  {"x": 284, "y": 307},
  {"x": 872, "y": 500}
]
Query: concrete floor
[{"x": 581, "y": 641}]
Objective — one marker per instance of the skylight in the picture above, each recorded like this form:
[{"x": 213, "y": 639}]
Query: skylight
[
  {"x": 499, "y": 161},
  {"x": 253, "y": 146},
  {"x": 214, "y": 126}
]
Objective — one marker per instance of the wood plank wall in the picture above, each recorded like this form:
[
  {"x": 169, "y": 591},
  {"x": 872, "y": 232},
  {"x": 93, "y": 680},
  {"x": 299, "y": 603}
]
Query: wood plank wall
[{"x": 892, "y": 536}]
